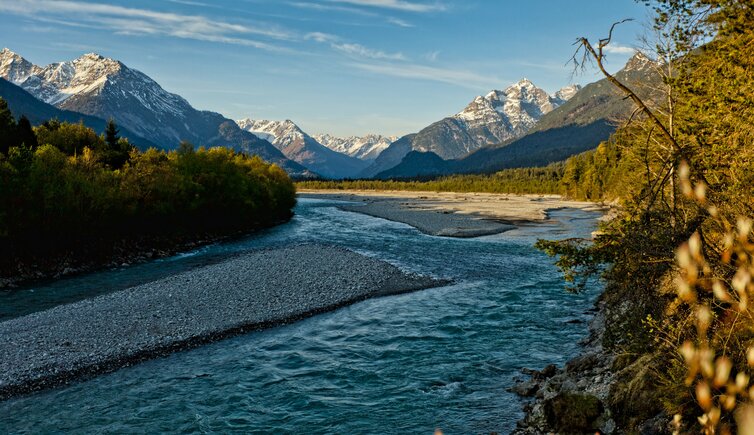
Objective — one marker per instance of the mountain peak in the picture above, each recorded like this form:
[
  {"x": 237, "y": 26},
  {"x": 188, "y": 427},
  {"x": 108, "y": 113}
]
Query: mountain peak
[
  {"x": 93, "y": 56},
  {"x": 566, "y": 92},
  {"x": 638, "y": 61},
  {"x": 15, "y": 68}
]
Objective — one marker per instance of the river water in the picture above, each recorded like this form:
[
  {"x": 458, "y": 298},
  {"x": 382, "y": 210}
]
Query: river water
[{"x": 437, "y": 358}]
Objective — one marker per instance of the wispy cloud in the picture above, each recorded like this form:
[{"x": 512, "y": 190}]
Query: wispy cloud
[
  {"x": 619, "y": 49},
  {"x": 398, "y": 22},
  {"x": 361, "y": 51},
  {"x": 190, "y": 3},
  {"x": 124, "y": 20},
  {"x": 352, "y": 49},
  {"x": 401, "y": 5},
  {"x": 331, "y": 8},
  {"x": 466, "y": 79},
  {"x": 432, "y": 56}
]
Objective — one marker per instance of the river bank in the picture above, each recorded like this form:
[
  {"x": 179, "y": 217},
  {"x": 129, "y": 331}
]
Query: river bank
[
  {"x": 442, "y": 357},
  {"x": 452, "y": 214},
  {"x": 253, "y": 291},
  {"x": 125, "y": 252}
]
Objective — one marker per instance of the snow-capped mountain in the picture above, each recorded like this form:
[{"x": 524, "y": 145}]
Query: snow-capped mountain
[
  {"x": 304, "y": 149},
  {"x": 586, "y": 119},
  {"x": 362, "y": 147},
  {"x": 502, "y": 115},
  {"x": 494, "y": 118},
  {"x": 106, "y": 88}
]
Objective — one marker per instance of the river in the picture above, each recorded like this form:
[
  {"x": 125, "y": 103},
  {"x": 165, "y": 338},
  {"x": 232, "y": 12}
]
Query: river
[{"x": 437, "y": 358}]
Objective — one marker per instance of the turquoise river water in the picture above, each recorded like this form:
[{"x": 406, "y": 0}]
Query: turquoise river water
[{"x": 437, "y": 358}]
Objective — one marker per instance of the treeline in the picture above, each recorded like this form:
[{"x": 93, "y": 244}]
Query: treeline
[
  {"x": 69, "y": 196},
  {"x": 545, "y": 180},
  {"x": 594, "y": 175}
]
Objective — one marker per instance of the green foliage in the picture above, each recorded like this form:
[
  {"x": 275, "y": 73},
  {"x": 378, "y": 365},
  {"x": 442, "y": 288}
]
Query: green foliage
[
  {"x": 69, "y": 138},
  {"x": 710, "y": 116},
  {"x": 544, "y": 180},
  {"x": 111, "y": 133},
  {"x": 77, "y": 195}
]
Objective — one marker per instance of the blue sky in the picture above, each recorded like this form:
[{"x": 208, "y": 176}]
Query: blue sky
[{"x": 337, "y": 66}]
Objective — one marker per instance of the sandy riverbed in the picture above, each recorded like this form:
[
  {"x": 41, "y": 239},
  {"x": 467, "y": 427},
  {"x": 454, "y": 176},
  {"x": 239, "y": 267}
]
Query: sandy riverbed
[{"x": 452, "y": 214}]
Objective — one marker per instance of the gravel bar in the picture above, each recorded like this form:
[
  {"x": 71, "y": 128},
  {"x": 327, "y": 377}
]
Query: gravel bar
[
  {"x": 250, "y": 292},
  {"x": 432, "y": 222}
]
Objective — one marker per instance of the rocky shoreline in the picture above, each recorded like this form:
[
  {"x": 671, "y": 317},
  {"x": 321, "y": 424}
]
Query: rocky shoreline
[
  {"x": 596, "y": 392},
  {"x": 252, "y": 291},
  {"x": 570, "y": 399}
]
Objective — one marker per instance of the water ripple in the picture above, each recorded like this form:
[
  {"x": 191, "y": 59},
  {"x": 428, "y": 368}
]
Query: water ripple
[{"x": 409, "y": 363}]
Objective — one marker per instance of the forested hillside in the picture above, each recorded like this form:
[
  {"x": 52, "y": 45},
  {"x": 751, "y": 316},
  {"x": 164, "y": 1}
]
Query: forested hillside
[
  {"x": 678, "y": 258},
  {"x": 70, "y": 197}
]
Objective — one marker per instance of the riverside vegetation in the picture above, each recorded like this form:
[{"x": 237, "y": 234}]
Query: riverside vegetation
[
  {"x": 678, "y": 258},
  {"x": 70, "y": 198},
  {"x": 590, "y": 176}
]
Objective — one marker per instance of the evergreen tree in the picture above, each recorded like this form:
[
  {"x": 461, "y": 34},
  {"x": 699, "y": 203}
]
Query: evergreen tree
[
  {"x": 111, "y": 134},
  {"x": 7, "y": 127},
  {"x": 24, "y": 133}
]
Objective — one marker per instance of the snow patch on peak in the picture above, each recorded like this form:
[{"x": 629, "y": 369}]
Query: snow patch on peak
[
  {"x": 638, "y": 61},
  {"x": 15, "y": 68},
  {"x": 279, "y": 133},
  {"x": 567, "y": 92},
  {"x": 366, "y": 147}
]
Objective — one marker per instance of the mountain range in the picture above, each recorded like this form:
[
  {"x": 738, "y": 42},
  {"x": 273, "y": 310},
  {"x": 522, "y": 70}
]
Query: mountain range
[
  {"x": 366, "y": 147},
  {"x": 298, "y": 146},
  {"x": 494, "y": 118},
  {"x": 521, "y": 125},
  {"x": 587, "y": 118},
  {"x": 105, "y": 88}
]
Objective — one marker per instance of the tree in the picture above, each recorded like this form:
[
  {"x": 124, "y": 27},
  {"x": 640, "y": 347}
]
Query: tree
[
  {"x": 25, "y": 134},
  {"x": 111, "y": 134},
  {"x": 7, "y": 127}
]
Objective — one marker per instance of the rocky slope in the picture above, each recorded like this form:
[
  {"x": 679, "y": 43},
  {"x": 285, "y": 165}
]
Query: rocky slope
[
  {"x": 362, "y": 147},
  {"x": 22, "y": 103},
  {"x": 577, "y": 125},
  {"x": 106, "y": 88},
  {"x": 499, "y": 116},
  {"x": 298, "y": 146}
]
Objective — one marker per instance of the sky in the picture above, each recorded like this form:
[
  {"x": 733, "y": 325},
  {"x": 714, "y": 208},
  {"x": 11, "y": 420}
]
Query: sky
[{"x": 344, "y": 67}]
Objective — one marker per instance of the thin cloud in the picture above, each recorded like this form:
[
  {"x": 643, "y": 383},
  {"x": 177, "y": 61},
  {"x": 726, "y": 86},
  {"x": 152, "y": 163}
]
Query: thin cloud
[
  {"x": 432, "y": 56},
  {"x": 619, "y": 49},
  {"x": 352, "y": 49},
  {"x": 400, "y": 5},
  {"x": 134, "y": 21},
  {"x": 361, "y": 51},
  {"x": 466, "y": 79},
  {"x": 336, "y": 8},
  {"x": 398, "y": 22},
  {"x": 321, "y": 37}
]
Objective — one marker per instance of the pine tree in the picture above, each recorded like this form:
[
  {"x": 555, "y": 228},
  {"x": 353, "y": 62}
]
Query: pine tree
[
  {"x": 7, "y": 127},
  {"x": 24, "y": 133},
  {"x": 111, "y": 134}
]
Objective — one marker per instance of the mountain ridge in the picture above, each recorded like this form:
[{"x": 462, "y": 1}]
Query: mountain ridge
[
  {"x": 577, "y": 125},
  {"x": 498, "y": 116},
  {"x": 106, "y": 88},
  {"x": 298, "y": 146}
]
